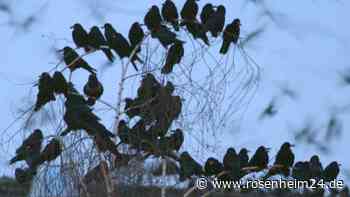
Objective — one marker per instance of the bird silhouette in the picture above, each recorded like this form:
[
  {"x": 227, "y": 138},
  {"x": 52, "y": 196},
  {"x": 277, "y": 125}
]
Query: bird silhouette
[
  {"x": 207, "y": 11},
  {"x": 79, "y": 116},
  {"x": 174, "y": 56},
  {"x": 232, "y": 164},
  {"x": 119, "y": 44},
  {"x": 316, "y": 167},
  {"x": 189, "y": 11},
  {"x": 93, "y": 89},
  {"x": 136, "y": 35},
  {"x": 51, "y": 151},
  {"x": 230, "y": 35},
  {"x": 170, "y": 14},
  {"x": 331, "y": 172},
  {"x": 283, "y": 162},
  {"x": 197, "y": 31},
  {"x": 46, "y": 91},
  {"x": 216, "y": 22},
  {"x": 213, "y": 167},
  {"x": 301, "y": 171},
  {"x": 80, "y": 36},
  {"x": 60, "y": 83},
  {"x": 270, "y": 110},
  {"x": 74, "y": 61},
  {"x": 165, "y": 36},
  {"x": 30, "y": 149},
  {"x": 243, "y": 157},
  {"x": 189, "y": 167},
  {"x": 153, "y": 19},
  {"x": 175, "y": 140},
  {"x": 97, "y": 41},
  {"x": 260, "y": 159}
]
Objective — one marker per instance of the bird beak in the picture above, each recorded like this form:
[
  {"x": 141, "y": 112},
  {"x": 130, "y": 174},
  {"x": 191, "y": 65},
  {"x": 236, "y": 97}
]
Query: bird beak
[
  {"x": 72, "y": 26},
  {"x": 292, "y": 145},
  {"x": 268, "y": 149},
  {"x": 102, "y": 27}
]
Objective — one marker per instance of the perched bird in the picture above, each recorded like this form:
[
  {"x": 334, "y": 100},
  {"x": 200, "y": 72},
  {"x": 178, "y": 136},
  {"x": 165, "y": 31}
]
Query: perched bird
[
  {"x": 230, "y": 35},
  {"x": 123, "y": 132},
  {"x": 74, "y": 61},
  {"x": 197, "y": 31},
  {"x": 315, "y": 167},
  {"x": 79, "y": 115},
  {"x": 174, "y": 56},
  {"x": 46, "y": 91},
  {"x": 207, "y": 11},
  {"x": 132, "y": 107},
  {"x": 216, "y": 22},
  {"x": 24, "y": 175},
  {"x": 189, "y": 167},
  {"x": 189, "y": 11},
  {"x": 213, "y": 167},
  {"x": 97, "y": 40},
  {"x": 51, "y": 151},
  {"x": 260, "y": 159},
  {"x": 30, "y": 149},
  {"x": 136, "y": 35},
  {"x": 93, "y": 89},
  {"x": 80, "y": 36},
  {"x": 285, "y": 156},
  {"x": 149, "y": 88},
  {"x": 243, "y": 157},
  {"x": 165, "y": 36},
  {"x": 153, "y": 19},
  {"x": 301, "y": 171},
  {"x": 176, "y": 139},
  {"x": 331, "y": 172},
  {"x": 232, "y": 164},
  {"x": 170, "y": 14},
  {"x": 119, "y": 44},
  {"x": 270, "y": 110},
  {"x": 60, "y": 83}
]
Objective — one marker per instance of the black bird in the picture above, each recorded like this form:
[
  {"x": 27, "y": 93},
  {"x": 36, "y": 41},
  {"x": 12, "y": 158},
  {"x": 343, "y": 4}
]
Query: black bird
[
  {"x": 243, "y": 157},
  {"x": 97, "y": 40},
  {"x": 149, "y": 88},
  {"x": 216, "y": 22},
  {"x": 30, "y": 149},
  {"x": 301, "y": 171},
  {"x": 260, "y": 159},
  {"x": 51, "y": 151},
  {"x": 316, "y": 167},
  {"x": 170, "y": 14},
  {"x": 132, "y": 107},
  {"x": 270, "y": 110},
  {"x": 189, "y": 167},
  {"x": 285, "y": 156},
  {"x": 93, "y": 89},
  {"x": 331, "y": 172},
  {"x": 119, "y": 44},
  {"x": 153, "y": 19},
  {"x": 24, "y": 175},
  {"x": 136, "y": 35},
  {"x": 189, "y": 11},
  {"x": 174, "y": 56},
  {"x": 230, "y": 35},
  {"x": 123, "y": 132},
  {"x": 79, "y": 115},
  {"x": 74, "y": 61},
  {"x": 213, "y": 167},
  {"x": 60, "y": 83},
  {"x": 231, "y": 160},
  {"x": 80, "y": 36},
  {"x": 206, "y": 12},
  {"x": 46, "y": 91},
  {"x": 197, "y": 31},
  {"x": 176, "y": 139},
  {"x": 165, "y": 36}
]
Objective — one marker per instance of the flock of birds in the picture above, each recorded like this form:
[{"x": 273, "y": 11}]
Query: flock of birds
[
  {"x": 155, "y": 103},
  {"x": 237, "y": 165}
]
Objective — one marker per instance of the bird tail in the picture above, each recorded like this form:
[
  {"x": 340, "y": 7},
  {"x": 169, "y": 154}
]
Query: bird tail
[
  {"x": 224, "y": 48},
  {"x": 13, "y": 160},
  {"x": 108, "y": 54},
  {"x": 136, "y": 58}
]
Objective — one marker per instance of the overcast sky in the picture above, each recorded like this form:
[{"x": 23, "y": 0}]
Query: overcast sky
[{"x": 305, "y": 46}]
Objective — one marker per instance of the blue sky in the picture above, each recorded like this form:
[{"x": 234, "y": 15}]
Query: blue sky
[{"x": 305, "y": 47}]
